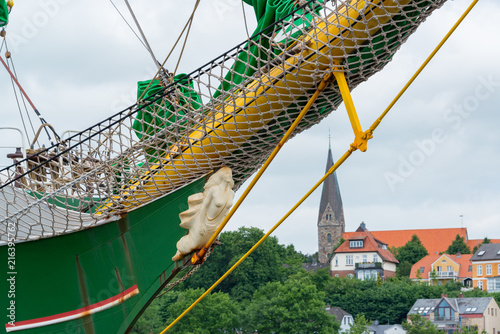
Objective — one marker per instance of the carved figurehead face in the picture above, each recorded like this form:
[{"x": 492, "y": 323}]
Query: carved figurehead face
[{"x": 223, "y": 175}]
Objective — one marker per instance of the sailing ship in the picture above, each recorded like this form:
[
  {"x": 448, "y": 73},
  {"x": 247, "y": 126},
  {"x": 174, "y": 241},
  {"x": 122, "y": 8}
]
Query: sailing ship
[{"x": 90, "y": 224}]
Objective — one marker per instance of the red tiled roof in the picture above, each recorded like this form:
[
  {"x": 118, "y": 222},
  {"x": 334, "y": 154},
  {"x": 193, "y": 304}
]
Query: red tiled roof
[
  {"x": 476, "y": 242},
  {"x": 369, "y": 245},
  {"x": 434, "y": 240},
  {"x": 427, "y": 261}
]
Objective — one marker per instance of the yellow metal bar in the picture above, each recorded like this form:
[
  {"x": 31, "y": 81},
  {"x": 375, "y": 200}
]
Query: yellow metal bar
[
  {"x": 198, "y": 257},
  {"x": 349, "y": 104},
  {"x": 360, "y": 138}
]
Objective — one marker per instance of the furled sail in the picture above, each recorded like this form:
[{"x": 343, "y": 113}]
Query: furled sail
[{"x": 4, "y": 13}]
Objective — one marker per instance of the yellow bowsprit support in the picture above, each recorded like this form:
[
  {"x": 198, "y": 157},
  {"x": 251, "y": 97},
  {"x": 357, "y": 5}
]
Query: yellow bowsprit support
[{"x": 360, "y": 138}]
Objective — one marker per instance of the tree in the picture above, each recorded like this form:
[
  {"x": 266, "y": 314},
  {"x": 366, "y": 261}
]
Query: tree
[
  {"x": 295, "y": 306},
  {"x": 264, "y": 265},
  {"x": 417, "y": 324},
  {"x": 360, "y": 325},
  {"x": 485, "y": 241},
  {"x": 403, "y": 269},
  {"x": 409, "y": 254},
  {"x": 458, "y": 246},
  {"x": 216, "y": 313},
  {"x": 412, "y": 252}
]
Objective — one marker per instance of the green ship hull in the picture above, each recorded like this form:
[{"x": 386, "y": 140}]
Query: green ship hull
[{"x": 123, "y": 263}]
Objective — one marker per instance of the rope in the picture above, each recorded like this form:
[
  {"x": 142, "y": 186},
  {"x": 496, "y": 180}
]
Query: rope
[
  {"x": 187, "y": 35},
  {"x": 245, "y": 19},
  {"x": 148, "y": 47},
  {"x": 344, "y": 157},
  {"x": 188, "y": 23},
  {"x": 126, "y": 22}
]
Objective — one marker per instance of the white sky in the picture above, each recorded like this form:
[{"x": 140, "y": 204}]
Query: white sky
[{"x": 435, "y": 158}]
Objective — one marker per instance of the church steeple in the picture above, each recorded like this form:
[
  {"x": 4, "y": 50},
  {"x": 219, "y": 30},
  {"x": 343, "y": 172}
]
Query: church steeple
[{"x": 331, "y": 223}]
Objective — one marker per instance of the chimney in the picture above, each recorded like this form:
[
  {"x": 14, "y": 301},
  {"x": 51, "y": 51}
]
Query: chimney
[
  {"x": 327, "y": 307},
  {"x": 363, "y": 226},
  {"x": 458, "y": 255}
]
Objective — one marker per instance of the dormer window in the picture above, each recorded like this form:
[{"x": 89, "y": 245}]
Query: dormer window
[{"x": 356, "y": 244}]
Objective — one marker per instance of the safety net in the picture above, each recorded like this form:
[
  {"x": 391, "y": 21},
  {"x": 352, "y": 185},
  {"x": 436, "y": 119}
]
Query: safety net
[{"x": 230, "y": 112}]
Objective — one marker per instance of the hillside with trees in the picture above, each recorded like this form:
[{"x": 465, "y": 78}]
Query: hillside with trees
[{"x": 271, "y": 293}]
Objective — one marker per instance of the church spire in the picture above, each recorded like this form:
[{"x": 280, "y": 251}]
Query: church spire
[{"x": 331, "y": 223}]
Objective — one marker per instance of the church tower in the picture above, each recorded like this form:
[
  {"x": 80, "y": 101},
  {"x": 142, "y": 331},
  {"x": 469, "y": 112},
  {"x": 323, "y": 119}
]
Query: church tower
[{"x": 331, "y": 223}]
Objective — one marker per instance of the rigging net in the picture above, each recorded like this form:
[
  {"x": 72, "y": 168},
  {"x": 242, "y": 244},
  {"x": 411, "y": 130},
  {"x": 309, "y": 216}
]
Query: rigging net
[{"x": 230, "y": 112}]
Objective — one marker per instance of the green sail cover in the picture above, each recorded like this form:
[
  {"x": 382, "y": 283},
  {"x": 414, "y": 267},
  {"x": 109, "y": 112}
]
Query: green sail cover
[
  {"x": 150, "y": 118},
  {"x": 4, "y": 13},
  {"x": 267, "y": 12}
]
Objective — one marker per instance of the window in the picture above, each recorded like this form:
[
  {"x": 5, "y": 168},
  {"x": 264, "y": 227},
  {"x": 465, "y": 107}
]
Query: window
[
  {"x": 479, "y": 270},
  {"x": 439, "y": 269},
  {"x": 481, "y": 253},
  {"x": 375, "y": 258},
  {"x": 336, "y": 261},
  {"x": 329, "y": 237},
  {"x": 449, "y": 269},
  {"x": 349, "y": 260},
  {"x": 361, "y": 275},
  {"x": 365, "y": 258},
  {"x": 444, "y": 312},
  {"x": 488, "y": 269},
  {"x": 470, "y": 268},
  {"x": 356, "y": 244},
  {"x": 422, "y": 269},
  {"x": 498, "y": 272},
  {"x": 480, "y": 285}
]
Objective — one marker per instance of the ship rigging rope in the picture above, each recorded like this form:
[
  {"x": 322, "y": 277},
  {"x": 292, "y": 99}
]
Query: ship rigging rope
[
  {"x": 4, "y": 42},
  {"x": 128, "y": 24},
  {"x": 188, "y": 24},
  {"x": 339, "y": 162}
]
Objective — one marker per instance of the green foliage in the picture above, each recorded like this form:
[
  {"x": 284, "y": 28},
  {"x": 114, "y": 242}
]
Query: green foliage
[
  {"x": 485, "y": 241},
  {"x": 458, "y": 246},
  {"x": 295, "y": 306},
  {"x": 360, "y": 325},
  {"x": 264, "y": 265},
  {"x": 412, "y": 252},
  {"x": 340, "y": 242},
  {"x": 409, "y": 254},
  {"x": 388, "y": 301},
  {"x": 420, "y": 325},
  {"x": 216, "y": 313},
  {"x": 403, "y": 269},
  {"x": 469, "y": 330}
]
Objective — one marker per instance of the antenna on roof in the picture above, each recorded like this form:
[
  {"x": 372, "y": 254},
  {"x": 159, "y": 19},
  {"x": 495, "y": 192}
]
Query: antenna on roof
[{"x": 462, "y": 218}]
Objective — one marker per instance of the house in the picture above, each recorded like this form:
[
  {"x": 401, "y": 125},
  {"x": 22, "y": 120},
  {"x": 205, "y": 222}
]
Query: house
[
  {"x": 435, "y": 240},
  {"x": 386, "y": 329},
  {"x": 363, "y": 256},
  {"x": 439, "y": 269},
  {"x": 450, "y": 314},
  {"x": 486, "y": 268},
  {"x": 346, "y": 320}
]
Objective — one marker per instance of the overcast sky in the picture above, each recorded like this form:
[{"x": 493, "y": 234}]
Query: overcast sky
[{"x": 434, "y": 159}]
